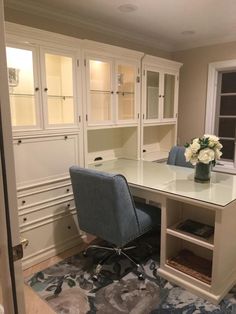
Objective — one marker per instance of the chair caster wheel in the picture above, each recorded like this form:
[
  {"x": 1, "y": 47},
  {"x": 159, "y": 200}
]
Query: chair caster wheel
[
  {"x": 140, "y": 277},
  {"x": 95, "y": 278}
]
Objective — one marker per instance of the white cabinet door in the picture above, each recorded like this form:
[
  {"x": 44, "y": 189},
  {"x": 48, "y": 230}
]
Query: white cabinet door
[
  {"x": 160, "y": 95},
  {"x": 58, "y": 88},
  {"x": 100, "y": 91},
  {"x": 49, "y": 102},
  {"x": 112, "y": 91},
  {"x": 127, "y": 92},
  {"x": 24, "y": 88}
]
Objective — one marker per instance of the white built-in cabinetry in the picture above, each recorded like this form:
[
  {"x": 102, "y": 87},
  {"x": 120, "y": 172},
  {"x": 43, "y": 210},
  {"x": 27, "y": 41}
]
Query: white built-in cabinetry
[
  {"x": 112, "y": 102},
  {"x": 79, "y": 102},
  {"x": 160, "y": 83}
]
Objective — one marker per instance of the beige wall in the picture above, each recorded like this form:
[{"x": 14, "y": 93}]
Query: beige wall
[
  {"x": 31, "y": 20},
  {"x": 193, "y": 86}
]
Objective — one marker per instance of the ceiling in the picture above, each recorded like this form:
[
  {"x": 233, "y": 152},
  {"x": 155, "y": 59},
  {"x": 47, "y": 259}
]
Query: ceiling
[{"x": 168, "y": 24}]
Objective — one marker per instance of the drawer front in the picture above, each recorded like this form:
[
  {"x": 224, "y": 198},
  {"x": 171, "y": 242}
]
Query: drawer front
[
  {"x": 50, "y": 234},
  {"x": 43, "y": 195},
  {"x": 50, "y": 210}
]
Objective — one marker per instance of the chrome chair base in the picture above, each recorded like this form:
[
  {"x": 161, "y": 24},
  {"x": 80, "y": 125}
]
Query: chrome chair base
[{"x": 115, "y": 251}]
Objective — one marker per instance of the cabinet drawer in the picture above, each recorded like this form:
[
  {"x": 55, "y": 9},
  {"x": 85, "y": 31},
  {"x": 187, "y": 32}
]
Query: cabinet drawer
[
  {"x": 43, "y": 195},
  {"x": 43, "y": 237},
  {"x": 49, "y": 211}
]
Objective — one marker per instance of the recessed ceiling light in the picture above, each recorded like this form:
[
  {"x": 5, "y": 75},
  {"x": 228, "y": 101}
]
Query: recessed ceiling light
[
  {"x": 190, "y": 32},
  {"x": 127, "y": 8}
]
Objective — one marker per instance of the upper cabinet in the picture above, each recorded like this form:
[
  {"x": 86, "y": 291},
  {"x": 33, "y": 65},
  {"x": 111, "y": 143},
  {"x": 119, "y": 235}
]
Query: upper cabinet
[
  {"x": 160, "y": 90},
  {"x": 112, "y": 90},
  {"x": 42, "y": 85}
]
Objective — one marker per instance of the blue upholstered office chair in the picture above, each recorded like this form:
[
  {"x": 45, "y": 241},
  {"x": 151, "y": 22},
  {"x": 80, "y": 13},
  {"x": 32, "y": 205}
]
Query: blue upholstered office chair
[
  {"x": 176, "y": 157},
  {"x": 107, "y": 210}
]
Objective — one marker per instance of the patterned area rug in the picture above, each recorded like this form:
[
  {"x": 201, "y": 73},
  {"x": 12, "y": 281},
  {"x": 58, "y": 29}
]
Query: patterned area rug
[{"x": 68, "y": 287}]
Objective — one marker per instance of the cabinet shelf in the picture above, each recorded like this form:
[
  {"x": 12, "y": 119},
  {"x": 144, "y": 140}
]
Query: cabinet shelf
[
  {"x": 21, "y": 95},
  {"x": 206, "y": 243},
  {"x": 191, "y": 264},
  {"x": 155, "y": 155},
  {"x": 60, "y": 97},
  {"x": 100, "y": 91}
]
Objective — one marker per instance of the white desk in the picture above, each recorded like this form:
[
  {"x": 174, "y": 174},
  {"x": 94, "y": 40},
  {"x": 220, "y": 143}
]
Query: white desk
[{"x": 180, "y": 198}]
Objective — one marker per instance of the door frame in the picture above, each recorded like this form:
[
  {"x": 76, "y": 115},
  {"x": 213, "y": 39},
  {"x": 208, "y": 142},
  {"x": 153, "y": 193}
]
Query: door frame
[{"x": 11, "y": 272}]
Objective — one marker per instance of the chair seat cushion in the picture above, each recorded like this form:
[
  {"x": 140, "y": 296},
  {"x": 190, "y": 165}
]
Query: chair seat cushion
[{"x": 148, "y": 216}]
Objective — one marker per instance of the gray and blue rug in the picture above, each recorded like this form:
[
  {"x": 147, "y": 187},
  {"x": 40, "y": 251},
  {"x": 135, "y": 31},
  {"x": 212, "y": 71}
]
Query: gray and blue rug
[{"x": 68, "y": 287}]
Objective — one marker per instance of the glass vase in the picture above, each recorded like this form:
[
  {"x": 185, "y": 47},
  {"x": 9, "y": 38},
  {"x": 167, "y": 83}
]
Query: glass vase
[{"x": 202, "y": 172}]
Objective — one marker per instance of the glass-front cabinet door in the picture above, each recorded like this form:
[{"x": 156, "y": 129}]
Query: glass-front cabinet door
[
  {"x": 152, "y": 97},
  {"x": 169, "y": 96},
  {"x": 126, "y": 91},
  {"x": 58, "y": 89},
  {"x": 159, "y": 95},
  {"x": 23, "y": 87},
  {"x": 99, "y": 91}
]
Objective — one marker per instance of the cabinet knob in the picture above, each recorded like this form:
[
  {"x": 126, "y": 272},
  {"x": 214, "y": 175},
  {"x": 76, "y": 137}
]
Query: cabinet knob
[
  {"x": 24, "y": 219},
  {"x": 23, "y": 202},
  {"x": 112, "y": 92},
  {"x": 67, "y": 190},
  {"x": 19, "y": 141},
  {"x": 36, "y": 89},
  {"x": 45, "y": 89}
]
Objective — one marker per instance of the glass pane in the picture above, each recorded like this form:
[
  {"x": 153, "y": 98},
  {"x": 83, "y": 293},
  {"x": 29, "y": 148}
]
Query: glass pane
[
  {"x": 152, "y": 92},
  {"x": 60, "y": 110},
  {"x": 228, "y": 105},
  {"x": 228, "y": 84},
  {"x": 59, "y": 80},
  {"x": 21, "y": 86},
  {"x": 101, "y": 104},
  {"x": 169, "y": 96},
  {"x": 227, "y": 127},
  {"x": 228, "y": 149},
  {"x": 100, "y": 91},
  {"x": 126, "y": 89}
]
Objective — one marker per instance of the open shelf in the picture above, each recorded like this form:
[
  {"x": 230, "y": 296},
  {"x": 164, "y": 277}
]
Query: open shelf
[
  {"x": 157, "y": 141},
  {"x": 189, "y": 258},
  {"x": 112, "y": 143},
  {"x": 207, "y": 243}
]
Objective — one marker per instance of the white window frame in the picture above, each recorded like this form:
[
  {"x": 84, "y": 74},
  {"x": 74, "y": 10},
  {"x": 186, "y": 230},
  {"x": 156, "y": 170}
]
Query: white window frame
[{"x": 211, "y": 105}]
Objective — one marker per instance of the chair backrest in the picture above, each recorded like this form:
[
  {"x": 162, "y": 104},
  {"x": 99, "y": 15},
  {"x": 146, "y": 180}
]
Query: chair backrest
[
  {"x": 176, "y": 157},
  {"x": 104, "y": 205}
]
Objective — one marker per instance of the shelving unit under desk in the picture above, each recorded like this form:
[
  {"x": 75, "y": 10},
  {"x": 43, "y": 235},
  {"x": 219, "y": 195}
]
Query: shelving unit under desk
[{"x": 180, "y": 198}]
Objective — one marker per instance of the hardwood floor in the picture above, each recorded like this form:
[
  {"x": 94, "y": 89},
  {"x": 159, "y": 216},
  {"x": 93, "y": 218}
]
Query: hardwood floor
[{"x": 34, "y": 304}]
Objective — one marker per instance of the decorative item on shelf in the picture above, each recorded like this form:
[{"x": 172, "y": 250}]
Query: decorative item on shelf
[{"x": 203, "y": 153}]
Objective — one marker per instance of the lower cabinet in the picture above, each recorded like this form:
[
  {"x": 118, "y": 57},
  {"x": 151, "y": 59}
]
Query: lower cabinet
[
  {"x": 47, "y": 214},
  {"x": 49, "y": 237}
]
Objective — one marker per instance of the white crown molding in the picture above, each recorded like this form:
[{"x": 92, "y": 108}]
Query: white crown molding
[{"x": 40, "y": 10}]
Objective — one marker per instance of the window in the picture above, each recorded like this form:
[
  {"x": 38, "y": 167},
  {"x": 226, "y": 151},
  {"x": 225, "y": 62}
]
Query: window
[{"x": 221, "y": 110}]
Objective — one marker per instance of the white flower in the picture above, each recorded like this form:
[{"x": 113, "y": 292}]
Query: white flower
[
  {"x": 188, "y": 153},
  {"x": 218, "y": 145},
  {"x": 213, "y": 140},
  {"x": 218, "y": 153},
  {"x": 206, "y": 155},
  {"x": 195, "y": 146}
]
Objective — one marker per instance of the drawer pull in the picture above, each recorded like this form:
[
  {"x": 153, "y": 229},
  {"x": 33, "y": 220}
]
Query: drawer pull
[
  {"x": 69, "y": 227},
  {"x": 23, "y": 202},
  {"x": 68, "y": 205},
  {"x": 24, "y": 219},
  {"x": 67, "y": 190}
]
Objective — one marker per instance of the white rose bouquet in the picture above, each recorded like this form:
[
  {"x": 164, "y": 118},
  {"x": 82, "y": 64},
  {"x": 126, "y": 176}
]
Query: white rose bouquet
[{"x": 205, "y": 150}]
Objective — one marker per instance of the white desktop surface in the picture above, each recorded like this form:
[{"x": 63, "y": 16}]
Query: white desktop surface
[{"x": 220, "y": 191}]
